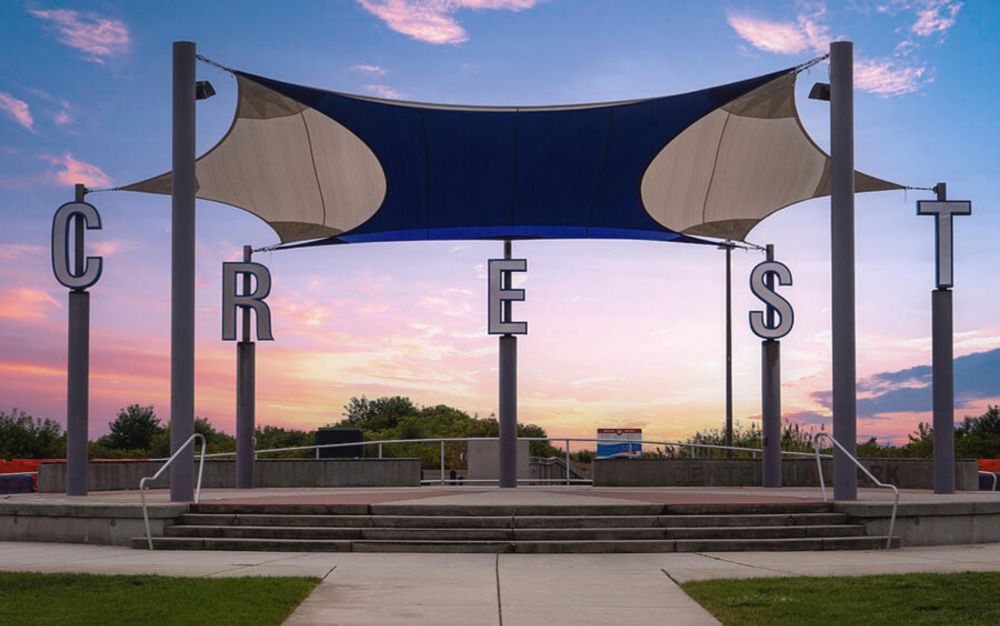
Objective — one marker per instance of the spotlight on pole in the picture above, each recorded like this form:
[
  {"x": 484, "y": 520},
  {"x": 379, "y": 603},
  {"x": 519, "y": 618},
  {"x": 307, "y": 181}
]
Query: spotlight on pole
[
  {"x": 203, "y": 90},
  {"x": 820, "y": 91}
]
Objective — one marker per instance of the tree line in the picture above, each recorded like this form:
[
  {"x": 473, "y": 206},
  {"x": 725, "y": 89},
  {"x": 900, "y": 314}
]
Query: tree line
[{"x": 137, "y": 432}]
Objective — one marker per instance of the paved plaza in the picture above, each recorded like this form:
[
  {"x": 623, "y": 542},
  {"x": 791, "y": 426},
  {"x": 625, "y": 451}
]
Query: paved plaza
[
  {"x": 485, "y": 588},
  {"x": 403, "y": 588}
]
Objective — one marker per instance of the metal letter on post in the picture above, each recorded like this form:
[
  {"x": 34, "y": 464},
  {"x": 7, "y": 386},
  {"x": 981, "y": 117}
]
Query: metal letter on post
[
  {"x": 498, "y": 295},
  {"x": 255, "y": 299},
  {"x": 786, "y": 317},
  {"x": 94, "y": 265},
  {"x": 943, "y": 235}
]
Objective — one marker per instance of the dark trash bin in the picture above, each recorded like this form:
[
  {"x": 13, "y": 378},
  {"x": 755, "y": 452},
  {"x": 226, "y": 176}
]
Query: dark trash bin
[{"x": 326, "y": 436}]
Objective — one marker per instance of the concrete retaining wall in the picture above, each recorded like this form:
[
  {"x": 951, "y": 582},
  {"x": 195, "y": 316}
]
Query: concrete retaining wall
[
  {"x": 904, "y": 473},
  {"x": 929, "y": 524},
  {"x": 117, "y": 475},
  {"x": 484, "y": 460},
  {"x": 80, "y": 522}
]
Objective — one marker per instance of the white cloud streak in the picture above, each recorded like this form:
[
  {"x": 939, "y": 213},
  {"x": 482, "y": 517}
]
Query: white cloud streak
[
  {"x": 885, "y": 77},
  {"x": 17, "y": 110},
  {"x": 433, "y": 21},
  {"x": 99, "y": 38}
]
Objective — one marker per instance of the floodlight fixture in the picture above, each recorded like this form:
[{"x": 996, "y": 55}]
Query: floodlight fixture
[
  {"x": 820, "y": 91},
  {"x": 203, "y": 90}
]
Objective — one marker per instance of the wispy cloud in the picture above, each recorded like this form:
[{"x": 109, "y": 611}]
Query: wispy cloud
[
  {"x": 26, "y": 303},
  {"x": 809, "y": 31},
  {"x": 433, "y": 21},
  {"x": 936, "y": 16},
  {"x": 62, "y": 117},
  {"x": 777, "y": 37},
  {"x": 382, "y": 91},
  {"x": 99, "y": 38},
  {"x": 886, "y": 77},
  {"x": 73, "y": 171},
  {"x": 15, "y": 251},
  {"x": 17, "y": 110},
  {"x": 373, "y": 70}
]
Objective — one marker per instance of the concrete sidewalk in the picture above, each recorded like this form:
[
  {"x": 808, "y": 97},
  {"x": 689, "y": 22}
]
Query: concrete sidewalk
[{"x": 485, "y": 588}]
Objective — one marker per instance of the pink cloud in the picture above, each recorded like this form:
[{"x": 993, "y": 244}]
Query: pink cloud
[
  {"x": 99, "y": 38},
  {"x": 74, "y": 171},
  {"x": 936, "y": 17},
  {"x": 886, "y": 78},
  {"x": 809, "y": 32},
  {"x": 17, "y": 110},
  {"x": 15, "y": 251},
  {"x": 777, "y": 37},
  {"x": 433, "y": 21},
  {"x": 374, "y": 70},
  {"x": 62, "y": 117},
  {"x": 382, "y": 91},
  {"x": 108, "y": 248},
  {"x": 26, "y": 303}
]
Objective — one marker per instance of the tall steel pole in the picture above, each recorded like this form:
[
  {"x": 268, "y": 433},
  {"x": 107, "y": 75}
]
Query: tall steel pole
[
  {"x": 78, "y": 370},
  {"x": 770, "y": 382},
  {"x": 729, "y": 349},
  {"x": 845, "y": 480},
  {"x": 182, "y": 272},
  {"x": 245, "y": 392},
  {"x": 943, "y": 380},
  {"x": 508, "y": 393}
]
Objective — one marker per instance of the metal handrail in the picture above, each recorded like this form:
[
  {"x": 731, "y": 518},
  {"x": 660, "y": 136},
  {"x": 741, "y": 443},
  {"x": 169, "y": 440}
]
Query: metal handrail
[
  {"x": 197, "y": 492},
  {"x": 878, "y": 483},
  {"x": 692, "y": 447},
  {"x": 380, "y": 442},
  {"x": 993, "y": 475}
]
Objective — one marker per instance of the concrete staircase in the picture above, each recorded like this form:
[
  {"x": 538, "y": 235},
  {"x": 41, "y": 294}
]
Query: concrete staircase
[{"x": 521, "y": 529}]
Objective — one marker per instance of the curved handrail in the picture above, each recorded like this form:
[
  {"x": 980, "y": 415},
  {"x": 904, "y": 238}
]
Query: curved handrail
[
  {"x": 878, "y": 483},
  {"x": 197, "y": 492},
  {"x": 992, "y": 475}
]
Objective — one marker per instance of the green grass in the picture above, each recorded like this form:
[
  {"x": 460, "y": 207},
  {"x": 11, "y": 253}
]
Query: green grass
[
  {"x": 910, "y": 599},
  {"x": 31, "y": 598}
]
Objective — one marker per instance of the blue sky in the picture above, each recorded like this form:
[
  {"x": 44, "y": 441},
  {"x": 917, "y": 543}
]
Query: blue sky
[{"x": 84, "y": 95}]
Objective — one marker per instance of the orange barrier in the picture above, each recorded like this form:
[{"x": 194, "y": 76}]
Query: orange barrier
[{"x": 989, "y": 465}]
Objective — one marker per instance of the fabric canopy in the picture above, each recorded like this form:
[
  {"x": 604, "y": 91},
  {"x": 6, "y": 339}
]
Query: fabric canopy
[{"x": 330, "y": 167}]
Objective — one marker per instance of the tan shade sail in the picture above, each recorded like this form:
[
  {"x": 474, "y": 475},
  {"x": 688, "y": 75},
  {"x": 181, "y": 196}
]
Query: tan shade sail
[{"x": 342, "y": 168}]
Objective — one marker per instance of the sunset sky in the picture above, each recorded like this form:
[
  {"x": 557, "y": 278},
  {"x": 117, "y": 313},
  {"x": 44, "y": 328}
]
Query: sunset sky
[{"x": 622, "y": 333}]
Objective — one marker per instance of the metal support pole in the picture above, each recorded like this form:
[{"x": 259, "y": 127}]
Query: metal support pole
[
  {"x": 508, "y": 411},
  {"x": 943, "y": 381},
  {"x": 182, "y": 272},
  {"x": 729, "y": 350},
  {"x": 77, "y": 393},
  {"x": 771, "y": 411},
  {"x": 567, "y": 462},
  {"x": 770, "y": 396},
  {"x": 78, "y": 371},
  {"x": 245, "y": 393},
  {"x": 508, "y": 393},
  {"x": 845, "y": 426},
  {"x": 442, "y": 462}
]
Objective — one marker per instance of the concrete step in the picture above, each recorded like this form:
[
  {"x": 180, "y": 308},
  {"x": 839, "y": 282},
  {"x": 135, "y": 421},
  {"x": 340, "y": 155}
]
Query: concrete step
[
  {"x": 509, "y": 521},
  {"x": 777, "y": 545},
  {"x": 537, "y": 547},
  {"x": 767, "y": 532},
  {"x": 396, "y": 509},
  {"x": 758, "y": 519},
  {"x": 516, "y": 534}
]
